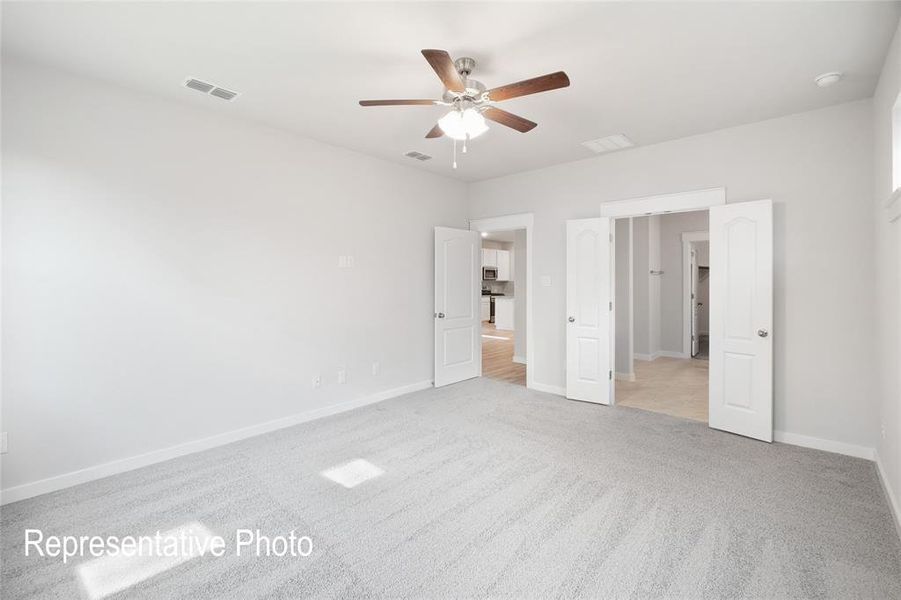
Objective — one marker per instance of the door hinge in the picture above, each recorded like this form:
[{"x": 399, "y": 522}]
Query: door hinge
[
  {"x": 611, "y": 306},
  {"x": 610, "y": 375},
  {"x": 610, "y": 235}
]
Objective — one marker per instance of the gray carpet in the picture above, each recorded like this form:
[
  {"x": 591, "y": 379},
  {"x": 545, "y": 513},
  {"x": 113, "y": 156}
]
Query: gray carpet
[{"x": 492, "y": 490}]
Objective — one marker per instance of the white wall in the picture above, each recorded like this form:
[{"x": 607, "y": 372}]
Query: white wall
[
  {"x": 641, "y": 322},
  {"x": 805, "y": 162},
  {"x": 519, "y": 280},
  {"x": 886, "y": 301},
  {"x": 672, "y": 297},
  {"x": 623, "y": 356},
  {"x": 171, "y": 274},
  {"x": 646, "y": 294}
]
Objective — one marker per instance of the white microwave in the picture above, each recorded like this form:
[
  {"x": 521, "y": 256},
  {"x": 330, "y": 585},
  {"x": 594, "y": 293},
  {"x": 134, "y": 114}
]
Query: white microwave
[{"x": 489, "y": 273}]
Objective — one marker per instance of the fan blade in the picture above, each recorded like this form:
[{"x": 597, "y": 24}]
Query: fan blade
[
  {"x": 509, "y": 119},
  {"x": 435, "y": 132},
  {"x": 397, "y": 102},
  {"x": 529, "y": 86},
  {"x": 444, "y": 67}
]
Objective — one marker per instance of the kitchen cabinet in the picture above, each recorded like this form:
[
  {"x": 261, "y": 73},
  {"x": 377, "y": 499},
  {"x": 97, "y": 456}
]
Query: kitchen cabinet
[
  {"x": 504, "y": 267},
  {"x": 503, "y": 313},
  {"x": 486, "y": 308},
  {"x": 489, "y": 257}
]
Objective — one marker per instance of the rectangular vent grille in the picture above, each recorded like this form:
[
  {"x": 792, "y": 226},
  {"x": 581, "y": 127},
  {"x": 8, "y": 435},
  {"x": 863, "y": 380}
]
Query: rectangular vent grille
[
  {"x": 210, "y": 89},
  {"x": 224, "y": 94},
  {"x": 611, "y": 143},
  {"x": 200, "y": 86},
  {"x": 418, "y": 155}
]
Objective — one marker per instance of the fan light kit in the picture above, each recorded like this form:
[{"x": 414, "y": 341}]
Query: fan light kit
[{"x": 470, "y": 102}]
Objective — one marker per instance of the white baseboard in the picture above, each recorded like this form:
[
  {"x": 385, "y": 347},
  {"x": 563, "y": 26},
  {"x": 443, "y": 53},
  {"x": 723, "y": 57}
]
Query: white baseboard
[
  {"x": 889, "y": 494},
  {"x": 58, "y": 482},
  {"x": 796, "y": 439},
  {"x": 625, "y": 376},
  {"x": 550, "y": 389},
  {"x": 659, "y": 354},
  {"x": 519, "y": 359},
  {"x": 670, "y": 354}
]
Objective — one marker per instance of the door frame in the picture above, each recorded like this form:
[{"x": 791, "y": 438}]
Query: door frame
[
  {"x": 687, "y": 238},
  {"x": 510, "y": 223},
  {"x": 646, "y": 206}
]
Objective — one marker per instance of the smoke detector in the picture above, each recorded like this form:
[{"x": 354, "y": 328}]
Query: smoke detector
[
  {"x": 827, "y": 79},
  {"x": 210, "y": 89},
  {"x": 417, "y": 155}
]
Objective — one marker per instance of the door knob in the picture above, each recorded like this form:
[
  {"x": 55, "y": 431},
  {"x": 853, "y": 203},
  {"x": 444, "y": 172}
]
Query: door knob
[
  {"x": 440, "y": 315},
  {"x": 763, "y": 332},
  {"x": 572, "y": 319}
]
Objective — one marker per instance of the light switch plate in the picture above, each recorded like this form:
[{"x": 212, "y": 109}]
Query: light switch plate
[
  {"x": 545, "y": 281},
  {"x": 342, "y": 375}
]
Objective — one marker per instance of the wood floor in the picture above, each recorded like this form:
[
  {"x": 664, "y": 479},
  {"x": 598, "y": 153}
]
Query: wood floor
[
  {"x": 673, "y": 386},
  {"x": 497, "y": 356}
]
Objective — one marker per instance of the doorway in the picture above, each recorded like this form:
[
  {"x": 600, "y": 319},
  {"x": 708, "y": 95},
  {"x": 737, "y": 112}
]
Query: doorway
[
  {"x": 502, "y": 303},
  {"x": 740, "y": 384},
  {"x": 661, "y": 268},
  {"x": 506, "y": 287}
]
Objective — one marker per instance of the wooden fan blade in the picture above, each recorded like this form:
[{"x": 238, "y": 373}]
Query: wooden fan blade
[
  {"x": 443, "y": 65},
  {"x": 397, "y": 102},
  {"x": 529, "y": 86},
  {"x": 435, "y": 132},
  {"x": 509, "y": 119}
]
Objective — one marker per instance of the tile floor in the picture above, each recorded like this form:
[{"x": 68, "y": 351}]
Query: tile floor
[{"x": 673, "y": 386}]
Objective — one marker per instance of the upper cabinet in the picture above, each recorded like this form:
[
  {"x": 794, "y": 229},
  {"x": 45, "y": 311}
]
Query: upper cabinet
[
  {"x": 489, "y": 257},
  {"x": 502, "y": 260},
  {"x": 504, "y": 268}
]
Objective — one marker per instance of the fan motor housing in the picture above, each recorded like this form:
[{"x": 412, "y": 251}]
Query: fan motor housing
[{"x": 474, "y": 88}]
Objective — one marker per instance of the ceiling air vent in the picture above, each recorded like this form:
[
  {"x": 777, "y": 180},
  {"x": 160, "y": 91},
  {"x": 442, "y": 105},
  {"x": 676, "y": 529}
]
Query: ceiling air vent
[
  {"x": 200, "y": 86},
  {"x": 418, "y": 155},
  {"x": 210, "y": 89},
  {"x": 611, "y": 143},
  {"x": 223, "y": 93}
]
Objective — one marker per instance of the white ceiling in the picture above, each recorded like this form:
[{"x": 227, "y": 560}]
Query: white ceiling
[{"x": 654, "y": 71}]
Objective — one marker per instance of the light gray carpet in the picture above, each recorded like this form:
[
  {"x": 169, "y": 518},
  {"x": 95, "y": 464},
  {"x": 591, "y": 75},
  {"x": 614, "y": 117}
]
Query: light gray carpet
[{"x": 492, "y": 490}]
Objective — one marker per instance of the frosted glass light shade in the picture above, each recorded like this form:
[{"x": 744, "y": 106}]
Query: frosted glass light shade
[{"x": 460, "y": 125}]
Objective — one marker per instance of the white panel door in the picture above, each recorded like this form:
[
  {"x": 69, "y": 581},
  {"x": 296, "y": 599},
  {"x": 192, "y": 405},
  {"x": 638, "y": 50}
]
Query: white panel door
[
  {"x": 458, "y": 342},
  {"x": 588, "y": 357},
  {"x": 741, "y": 318}
]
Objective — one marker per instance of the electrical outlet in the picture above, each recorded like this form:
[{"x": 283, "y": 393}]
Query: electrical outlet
[
  {"x": 342, "y": 262},
  {"x": 350, "y": 262},
  {"x": 3, "y": 447},
  {"x": 342, "y": 375},
  {"x": 375, "y": 368},
  {"x": 882, "y": 429},
  {"x": 545, "y": 281},
  {"x": 317, "y": 381}
]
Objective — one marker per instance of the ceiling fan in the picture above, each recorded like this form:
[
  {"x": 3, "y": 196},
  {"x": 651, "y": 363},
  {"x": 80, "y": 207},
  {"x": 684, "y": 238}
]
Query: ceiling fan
[{"x": 470, "y": 102}]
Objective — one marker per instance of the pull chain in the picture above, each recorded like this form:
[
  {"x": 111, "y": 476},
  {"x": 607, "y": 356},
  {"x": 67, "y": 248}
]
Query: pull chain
[
  {"x": 466, "y": 139},
  {"x": 455, "y": 154}
]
